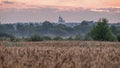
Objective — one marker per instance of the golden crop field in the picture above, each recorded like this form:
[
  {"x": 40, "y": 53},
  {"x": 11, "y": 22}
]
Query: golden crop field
[{"x": 60, "y": 54}]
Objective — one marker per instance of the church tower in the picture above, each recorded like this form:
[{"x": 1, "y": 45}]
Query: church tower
[{"x": 61, "y": 20}]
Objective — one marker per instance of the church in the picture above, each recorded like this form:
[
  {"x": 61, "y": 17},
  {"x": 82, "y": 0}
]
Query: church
[{"x": 61, "y": 20}]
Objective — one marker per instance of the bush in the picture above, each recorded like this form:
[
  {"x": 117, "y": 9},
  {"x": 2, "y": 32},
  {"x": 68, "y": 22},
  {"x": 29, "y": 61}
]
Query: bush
[
  {"x": 12, "y": 38},
  {"x": 88, "y": 37},
  {"x": 36, "y": 38},
  {"x": 70, "y": 38},
  {"x": 58, "y": 38},
  {"x": 6, "y": 36},
  {"x": 1, "y": 39},
  {"x": 77, "y": 37},
  {"x": 46, "y": 38}
]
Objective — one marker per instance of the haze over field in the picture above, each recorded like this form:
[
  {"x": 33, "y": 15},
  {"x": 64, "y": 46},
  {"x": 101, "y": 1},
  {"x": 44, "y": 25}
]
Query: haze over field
[{"x": 12, "y": 11}]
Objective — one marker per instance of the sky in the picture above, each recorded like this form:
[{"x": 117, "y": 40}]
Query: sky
[{"x": 12, "y": 11}]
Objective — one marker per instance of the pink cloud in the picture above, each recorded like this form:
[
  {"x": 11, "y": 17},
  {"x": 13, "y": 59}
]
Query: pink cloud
[{"x": 112, "y": 10}]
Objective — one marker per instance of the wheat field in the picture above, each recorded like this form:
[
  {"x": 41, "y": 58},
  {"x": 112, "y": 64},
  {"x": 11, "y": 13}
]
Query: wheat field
[{"x": 60, "y": 54}]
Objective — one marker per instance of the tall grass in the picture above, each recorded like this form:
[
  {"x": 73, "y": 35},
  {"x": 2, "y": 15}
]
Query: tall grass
[{"x": 60, "y": 54}]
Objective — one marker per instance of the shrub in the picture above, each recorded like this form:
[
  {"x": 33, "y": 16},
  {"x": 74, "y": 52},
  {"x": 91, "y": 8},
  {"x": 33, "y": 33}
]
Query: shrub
[
  {"x": 46, "y": 38},
  {"x": 36, "y": 38},
  {"x": 12, "y": 38},
  {"x": 70, "y": 38},
  {"x": 77, "y": 37},
  {"x": 58, "y": 38}
]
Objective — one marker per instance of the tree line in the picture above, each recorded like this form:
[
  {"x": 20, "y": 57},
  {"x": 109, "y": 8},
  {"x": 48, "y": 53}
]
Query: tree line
[{"x": 101, "y": 31}]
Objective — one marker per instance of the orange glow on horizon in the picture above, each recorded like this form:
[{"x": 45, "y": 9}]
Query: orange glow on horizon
[{"x": 61, "y": 4}]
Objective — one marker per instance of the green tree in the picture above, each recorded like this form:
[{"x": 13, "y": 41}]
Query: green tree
[
  {"x": 47, "y": 24},
  {"x": 114, "y": 29},
  {"x": 102, "y": 31}
]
